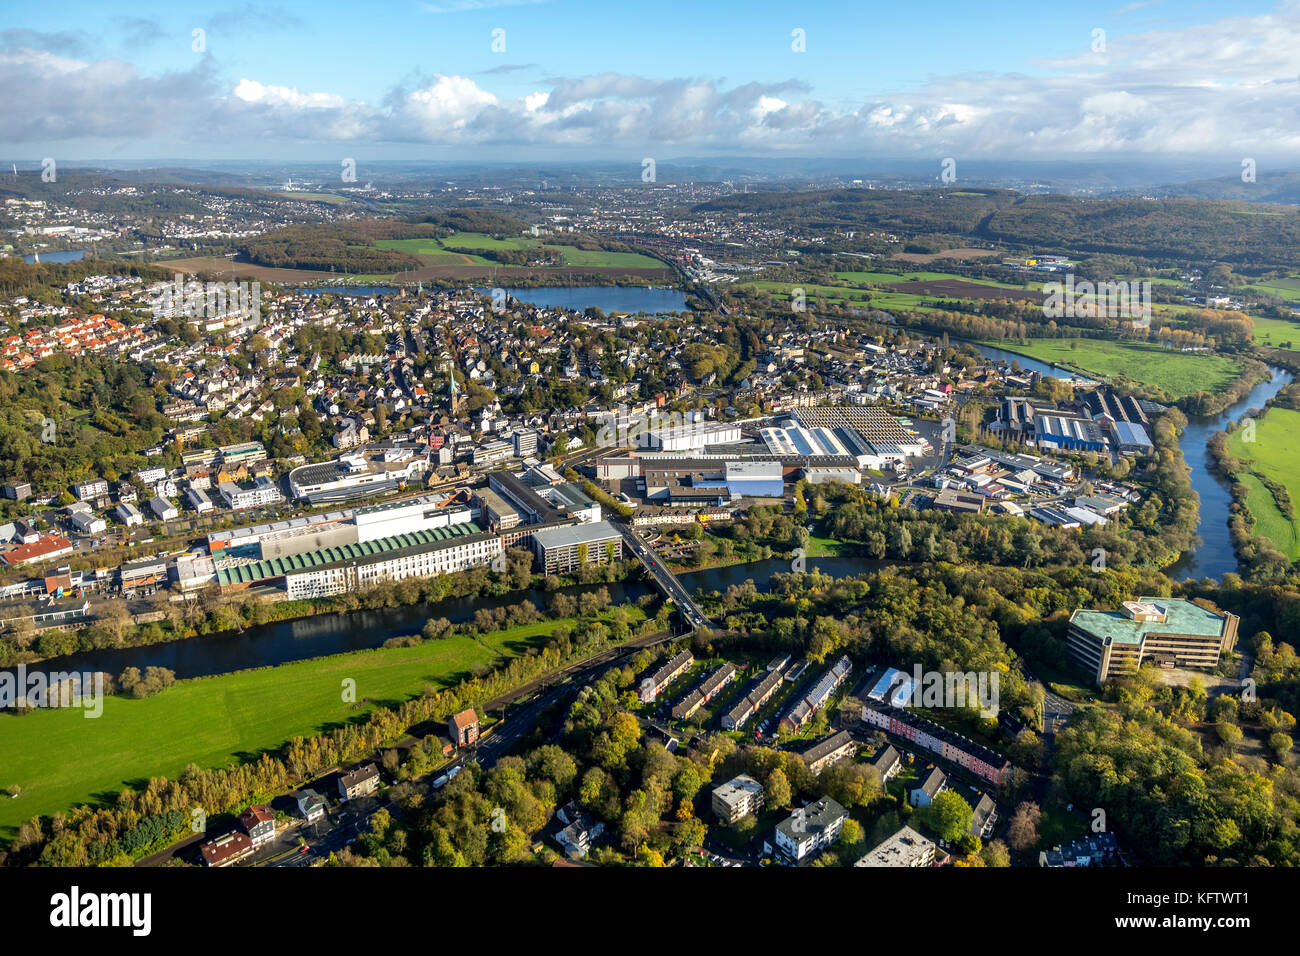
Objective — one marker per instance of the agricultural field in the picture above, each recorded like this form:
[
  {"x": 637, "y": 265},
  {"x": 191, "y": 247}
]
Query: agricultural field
[
  {"x": 329, "y": 198},
  {"x": 61, "y": 758},
  {"x": 889, "y": 278},
  {"x": 460, "y": 249},
  {"x": 1288, "y": 289},
  {"x": 1178, "y": 374},
  {"x": 1274, "y": 454},
  {"x": 1276, "y": 333}
]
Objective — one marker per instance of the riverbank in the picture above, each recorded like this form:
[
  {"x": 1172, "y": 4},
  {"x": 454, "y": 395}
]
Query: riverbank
[
  {"x": 203, "y": 617},
  {"x": 1167, "y": 375},
  {"x": 1216, "y": 555},
  {"x": 60, "y": 758},
  {"x": 1257, "y": 458}
]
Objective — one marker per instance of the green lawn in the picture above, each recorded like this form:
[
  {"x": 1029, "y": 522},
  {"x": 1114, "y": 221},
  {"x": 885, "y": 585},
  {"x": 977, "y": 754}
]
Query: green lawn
[
  {"x": 819, "y": 547},
  {"x": 60, "y": 758},
  {"x": 1274, "y": 454},
  {"x": 478, "y": 240},
  {"x": 1176, "y": 373}
]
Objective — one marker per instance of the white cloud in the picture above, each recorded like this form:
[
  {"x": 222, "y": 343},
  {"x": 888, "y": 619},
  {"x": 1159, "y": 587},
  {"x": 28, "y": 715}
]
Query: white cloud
[
  {"x": 1229, "y": 87},
  {"x": 251, "y": 91}
]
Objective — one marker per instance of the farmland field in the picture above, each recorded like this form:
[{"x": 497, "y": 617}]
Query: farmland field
[
  {"x": 1177, "y": 373},
  {"x": 1275, "y": 332},
  {"x": 1274, "y": 454},
  {"x": 1288, "y": 289},
  {"x": 60, "y": 758},
  {"x": 460, "y": 248},
  {"x": 889, "y": 278}
]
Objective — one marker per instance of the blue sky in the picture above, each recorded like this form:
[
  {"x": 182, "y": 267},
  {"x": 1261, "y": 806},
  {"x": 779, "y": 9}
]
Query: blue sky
[{"x": 416, "y": 79}]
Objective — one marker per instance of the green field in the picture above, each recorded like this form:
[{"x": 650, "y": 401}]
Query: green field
[
  {"x": 1177, "y": 373},
  {"x": 1276, "y": 332},
  {"x": 889, "y": 278},
  {"x": 460, "y": 248},
  {"x": 819, "y": 547},
  {"x": 329, "y": 198},
  {"x": 1274, "y": 454},
  {"x": 1288, "y": 289},
  {"x": 431, "y": 248},
  {"x": 61, "y": 758}
]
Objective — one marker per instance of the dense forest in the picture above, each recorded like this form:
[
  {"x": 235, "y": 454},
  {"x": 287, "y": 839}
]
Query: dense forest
[
  {"x": 345, "y": 247},
  {"x": 1246, "y": 234}
]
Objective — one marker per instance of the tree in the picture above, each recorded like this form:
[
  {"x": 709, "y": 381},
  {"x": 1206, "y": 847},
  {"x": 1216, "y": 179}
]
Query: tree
[
  {"x": 1228, "y": 732},
  {"x": 948, "y": 815},
  {"x": 851, "y": 832},
  {"x": 1022, "y": 831},
  {"x": 777, "y": 788},
  {"x": 995, "y": 854},
  {"x": 691, "y": 832}
]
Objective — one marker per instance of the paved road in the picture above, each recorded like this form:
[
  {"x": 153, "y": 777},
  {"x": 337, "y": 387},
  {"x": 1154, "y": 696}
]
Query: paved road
[
  {"x": 667, "y": 582},
  {"x": 534, "y": 698}
]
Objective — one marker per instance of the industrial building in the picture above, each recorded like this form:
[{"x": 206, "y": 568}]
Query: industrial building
[
  {"x": 357, "y": 566},
  {"x": 358, "y": 474}
]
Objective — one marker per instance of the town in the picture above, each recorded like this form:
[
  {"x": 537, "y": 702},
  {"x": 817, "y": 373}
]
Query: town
[{"x": 513, "y": 437}]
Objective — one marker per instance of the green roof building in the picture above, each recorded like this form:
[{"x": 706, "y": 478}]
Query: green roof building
[{"x": 1171, "y": 632}]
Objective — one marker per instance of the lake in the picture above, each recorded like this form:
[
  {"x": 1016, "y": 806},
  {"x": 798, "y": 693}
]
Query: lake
[
  {"x": 67, "y": 255},
  {"x": 611, "y": 298}
]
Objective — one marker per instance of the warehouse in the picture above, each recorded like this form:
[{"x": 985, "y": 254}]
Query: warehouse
[{"x": 754, "y": 479}]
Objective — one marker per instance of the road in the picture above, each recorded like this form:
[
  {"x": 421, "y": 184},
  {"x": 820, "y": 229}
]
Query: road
[
  {"x": 666, "y": 580},
  {"x": 534, "y": 699}
]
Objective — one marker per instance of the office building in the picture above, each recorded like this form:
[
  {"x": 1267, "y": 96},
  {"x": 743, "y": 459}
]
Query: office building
[{"x": 1171, "y": 632}]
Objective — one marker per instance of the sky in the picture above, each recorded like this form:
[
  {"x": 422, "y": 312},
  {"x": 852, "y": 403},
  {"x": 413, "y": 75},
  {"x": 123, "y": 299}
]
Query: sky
[{"x": 519, "y": 80}]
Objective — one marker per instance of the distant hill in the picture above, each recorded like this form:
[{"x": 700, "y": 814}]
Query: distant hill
[
  {"x": 1255, "y": 234},
  {"x": 1269, "y": 187}
]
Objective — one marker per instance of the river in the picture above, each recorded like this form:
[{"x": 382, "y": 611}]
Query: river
[
  {"x": 1214, "y": 557},
  {"x": 1026, "y": 363},
  {"x": 280, "y": 642}
]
